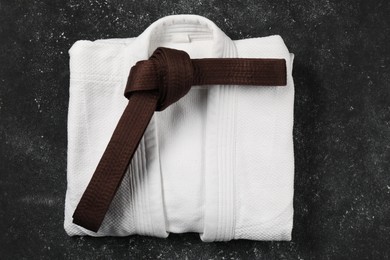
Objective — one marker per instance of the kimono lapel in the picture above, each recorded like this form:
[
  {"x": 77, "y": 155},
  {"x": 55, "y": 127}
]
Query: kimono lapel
[{"x": 154, "y": 180}]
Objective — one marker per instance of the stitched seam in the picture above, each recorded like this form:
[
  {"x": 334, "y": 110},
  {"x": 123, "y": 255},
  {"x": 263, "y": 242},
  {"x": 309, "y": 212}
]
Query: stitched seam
[{"x": 234, "y": 159}]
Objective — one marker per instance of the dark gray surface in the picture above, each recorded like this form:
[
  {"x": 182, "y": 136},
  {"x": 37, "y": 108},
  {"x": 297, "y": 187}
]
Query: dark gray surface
[{"x": 341, "y": 131}]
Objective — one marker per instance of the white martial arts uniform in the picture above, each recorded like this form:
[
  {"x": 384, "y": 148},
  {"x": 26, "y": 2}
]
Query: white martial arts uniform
[{"x": 218, "y": 162}]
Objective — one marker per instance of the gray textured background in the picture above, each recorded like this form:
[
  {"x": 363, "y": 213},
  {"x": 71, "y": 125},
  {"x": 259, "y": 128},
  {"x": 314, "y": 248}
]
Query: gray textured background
[{"x": 341, "y": 130}]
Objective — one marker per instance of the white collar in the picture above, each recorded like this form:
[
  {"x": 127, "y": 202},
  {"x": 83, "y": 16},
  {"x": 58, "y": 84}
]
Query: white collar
[{"x": 182, "y": 28}]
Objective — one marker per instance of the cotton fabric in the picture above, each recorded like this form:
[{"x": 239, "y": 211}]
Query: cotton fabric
[{"x": 218, "y": 162}]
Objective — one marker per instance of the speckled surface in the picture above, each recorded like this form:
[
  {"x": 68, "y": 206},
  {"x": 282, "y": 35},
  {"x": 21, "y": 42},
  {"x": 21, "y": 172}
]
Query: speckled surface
[{"x": 341, "y": 130}]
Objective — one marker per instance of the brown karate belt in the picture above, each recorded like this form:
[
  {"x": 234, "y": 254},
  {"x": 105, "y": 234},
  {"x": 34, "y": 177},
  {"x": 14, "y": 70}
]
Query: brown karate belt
[{"x": 153, "y": 85}]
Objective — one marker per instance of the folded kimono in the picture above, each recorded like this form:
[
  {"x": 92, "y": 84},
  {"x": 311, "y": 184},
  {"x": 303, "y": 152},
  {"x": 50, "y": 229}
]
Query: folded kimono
[{"x": 218, "y": 162}]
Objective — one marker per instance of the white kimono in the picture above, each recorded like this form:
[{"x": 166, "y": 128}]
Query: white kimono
[{"x": 218, "y": 162}]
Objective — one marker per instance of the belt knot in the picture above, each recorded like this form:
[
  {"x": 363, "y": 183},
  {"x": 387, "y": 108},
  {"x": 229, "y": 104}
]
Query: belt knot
[{"x": 168, "y": 72}]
